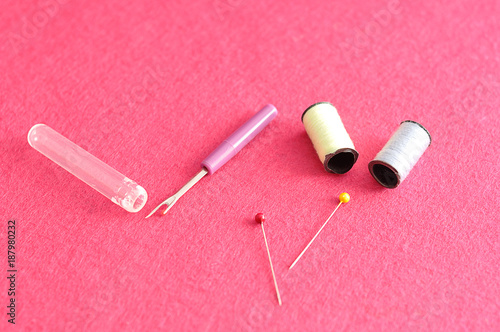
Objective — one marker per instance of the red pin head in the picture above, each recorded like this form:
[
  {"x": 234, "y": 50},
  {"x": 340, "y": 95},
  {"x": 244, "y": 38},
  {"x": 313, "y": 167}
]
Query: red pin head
[{"x": 260, "y": 218}]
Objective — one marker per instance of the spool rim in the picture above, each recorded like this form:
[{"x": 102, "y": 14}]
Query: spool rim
[
  {"x": 345, "y": 169},
  {"x": 415, "y": 122},
  {"x": 375, "y": 162},
  {"x": 315, "y": 104}
]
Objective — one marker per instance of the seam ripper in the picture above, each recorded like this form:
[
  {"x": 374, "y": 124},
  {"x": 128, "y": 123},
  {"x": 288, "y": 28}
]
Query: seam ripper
[{"x": 225, "y": 151}]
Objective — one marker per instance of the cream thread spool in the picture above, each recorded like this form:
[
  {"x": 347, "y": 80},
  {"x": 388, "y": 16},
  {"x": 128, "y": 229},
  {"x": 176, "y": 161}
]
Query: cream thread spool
[
  {"x": 329, "y": 137},
  {"x": 396, "y": 159}
]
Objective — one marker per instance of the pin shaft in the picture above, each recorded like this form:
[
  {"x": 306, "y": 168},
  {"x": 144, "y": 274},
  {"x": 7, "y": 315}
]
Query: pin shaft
[
  {"x": 315, "y": 236},
  {"x": 271, "y": 263}
]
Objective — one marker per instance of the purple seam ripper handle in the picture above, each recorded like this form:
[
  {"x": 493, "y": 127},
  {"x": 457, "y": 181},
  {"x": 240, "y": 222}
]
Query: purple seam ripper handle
[{"x": 234, "y": 143}]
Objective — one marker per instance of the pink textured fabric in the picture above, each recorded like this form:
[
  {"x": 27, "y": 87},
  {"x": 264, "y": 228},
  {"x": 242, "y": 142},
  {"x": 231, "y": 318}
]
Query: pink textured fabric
[{"x": 151, "y": 87}]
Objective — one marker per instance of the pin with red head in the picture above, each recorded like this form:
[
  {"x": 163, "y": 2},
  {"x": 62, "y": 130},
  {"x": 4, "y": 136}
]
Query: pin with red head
[{"x": 260, "y": 218}]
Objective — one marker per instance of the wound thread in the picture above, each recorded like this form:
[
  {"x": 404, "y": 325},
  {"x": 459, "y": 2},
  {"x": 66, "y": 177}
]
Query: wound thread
[
  {"x": 400, "y": 154},
  {"x": 329, "y": 137}
]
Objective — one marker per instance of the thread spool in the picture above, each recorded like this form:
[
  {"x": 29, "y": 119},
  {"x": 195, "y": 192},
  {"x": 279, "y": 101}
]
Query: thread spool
[
  {"x": 329, "y": 137},
  {"x": 396, "y": 159}
]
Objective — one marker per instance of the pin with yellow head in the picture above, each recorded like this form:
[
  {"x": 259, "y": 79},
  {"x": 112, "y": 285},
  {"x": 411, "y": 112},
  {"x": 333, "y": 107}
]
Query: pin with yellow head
[{"x": 343, "y": 198}]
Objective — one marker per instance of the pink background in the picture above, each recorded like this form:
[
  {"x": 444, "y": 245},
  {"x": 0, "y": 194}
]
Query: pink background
[{"x": 151, "y": 87}]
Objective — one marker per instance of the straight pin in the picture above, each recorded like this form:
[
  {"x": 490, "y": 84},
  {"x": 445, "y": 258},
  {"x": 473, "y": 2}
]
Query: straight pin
[
  {"x": 344, "y": 198},
  {"x": 259, "y": 217}
]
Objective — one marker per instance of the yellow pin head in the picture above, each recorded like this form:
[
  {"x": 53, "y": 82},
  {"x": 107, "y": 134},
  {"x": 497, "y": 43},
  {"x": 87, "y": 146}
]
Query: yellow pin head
[{"x": 344, "y": 197}]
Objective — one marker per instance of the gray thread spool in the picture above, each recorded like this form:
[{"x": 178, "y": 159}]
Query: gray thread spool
[{"x": 396, "y": 159}]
